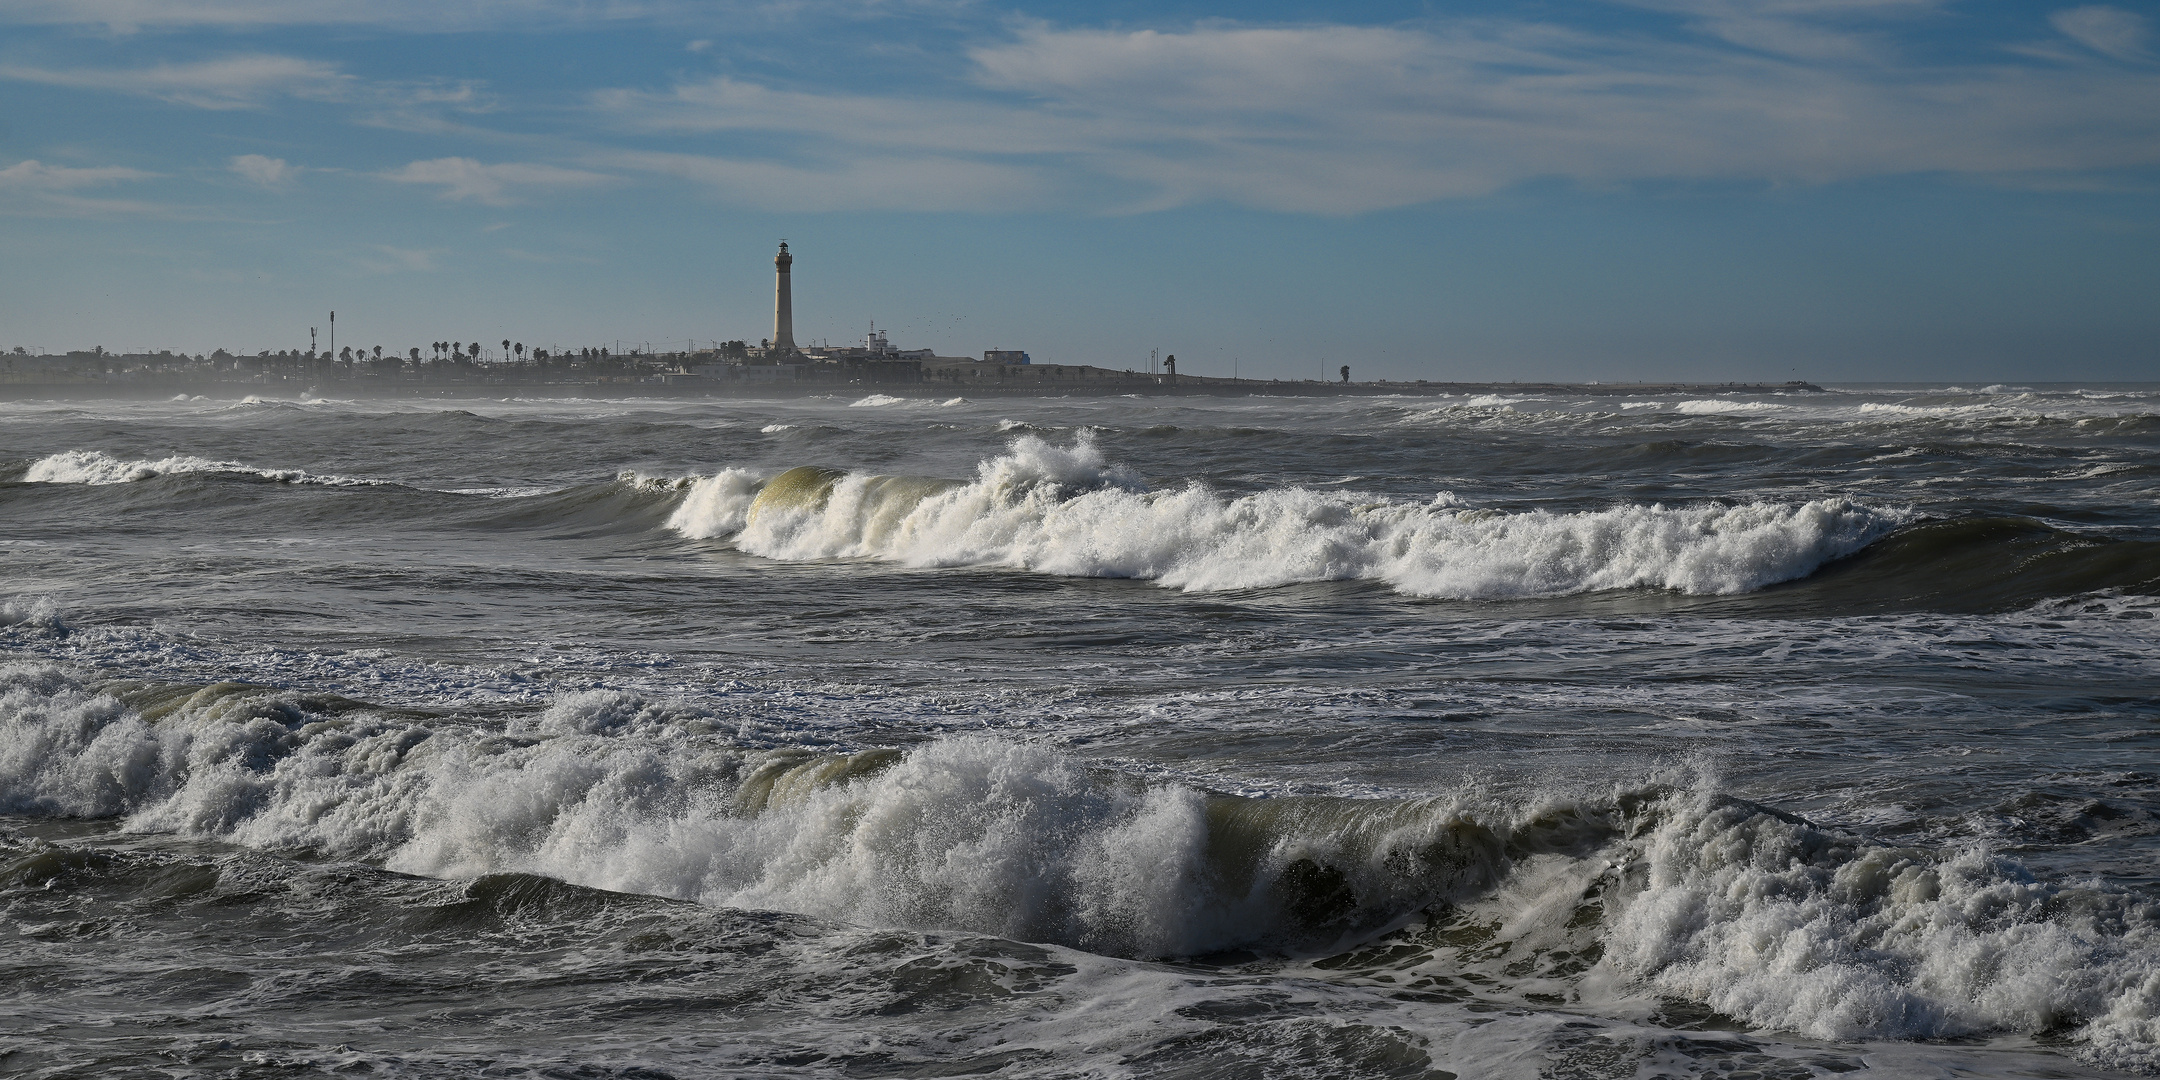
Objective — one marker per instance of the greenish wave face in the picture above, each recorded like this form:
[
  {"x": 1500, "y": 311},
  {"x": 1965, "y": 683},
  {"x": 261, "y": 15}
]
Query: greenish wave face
[{"x": 803, "y": 488}]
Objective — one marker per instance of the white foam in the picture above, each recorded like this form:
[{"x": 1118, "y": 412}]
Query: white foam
[
  {"x": 1786, "y": 927},
  {"x": 38, "y": 612},
  {"x": 1890, "y": 408},
  {"x": 1064, "y": 511},
  {"x": 644, "y": 481},
  {"x": 716, "y": 505},
  {"x": 775, "y": 429},
  {"x": 502, "y": 492},
  {"x": 98, "y": 467},
  {"x": 621, "y": 792},
  {"x": 1724, "y": 407},
  {"x": 1694, "y": 895},
  {"x": 875, "y": 400}
]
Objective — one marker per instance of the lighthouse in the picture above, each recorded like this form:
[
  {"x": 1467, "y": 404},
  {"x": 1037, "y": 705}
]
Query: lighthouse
[{"x": 783, "y": 320}]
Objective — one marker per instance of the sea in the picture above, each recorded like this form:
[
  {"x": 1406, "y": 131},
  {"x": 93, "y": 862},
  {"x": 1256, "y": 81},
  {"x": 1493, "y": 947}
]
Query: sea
[{"x": 1696, "y": 734}]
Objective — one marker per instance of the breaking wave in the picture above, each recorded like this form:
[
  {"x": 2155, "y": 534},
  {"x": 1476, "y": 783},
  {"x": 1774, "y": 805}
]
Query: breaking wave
[
  {"x": 1666, "y": 889},
  {"x": 98, "y": 467},
  {"x": 1727, "y": 407},
  {"x": 1063, "y": 510}
]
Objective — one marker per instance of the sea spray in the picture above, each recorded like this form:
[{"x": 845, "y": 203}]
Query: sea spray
[
  {"x": 1692, "y": 894},
  {"x": 1457, "y": 842},
  {"x": 1065, "y": 511},
  {"x": 716, "y": 505},
  {"x": 1787, "y": 926}
]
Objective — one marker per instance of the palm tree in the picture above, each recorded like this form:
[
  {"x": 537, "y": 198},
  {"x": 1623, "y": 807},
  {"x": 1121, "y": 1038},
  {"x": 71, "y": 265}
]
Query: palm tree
[{"x": 521, "y": 351}]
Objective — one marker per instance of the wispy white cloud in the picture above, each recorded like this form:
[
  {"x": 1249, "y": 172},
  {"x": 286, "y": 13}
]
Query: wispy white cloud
[
  {"x": 434, "y": 16},
  {"x": 270, "y": 172},
  {"x": 35, "y": 188},
  {"x": 35, "y": 175},
  {"x": 2106, "y": 30},
  {"x": 130, "y": 15},
  {"x": 1813, "y": 30},
  {"x": 233, "y": 82},
  {"x": 1344, "y": 119},
  {"x": 496, "y": 185},
  {"x": 258, "y": 81}
]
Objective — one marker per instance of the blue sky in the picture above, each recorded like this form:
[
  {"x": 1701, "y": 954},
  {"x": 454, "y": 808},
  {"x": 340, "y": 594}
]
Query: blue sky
[{"x": 1700, "y": 189}]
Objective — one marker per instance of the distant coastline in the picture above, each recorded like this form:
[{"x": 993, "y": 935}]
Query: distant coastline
[
  {"x": 1184, "y": 387},
  {"x": 692, "y": 376}
]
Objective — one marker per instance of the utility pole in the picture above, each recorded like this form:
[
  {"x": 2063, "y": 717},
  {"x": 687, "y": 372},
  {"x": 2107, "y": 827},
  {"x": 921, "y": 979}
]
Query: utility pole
[{"x": 333, "y": 335}]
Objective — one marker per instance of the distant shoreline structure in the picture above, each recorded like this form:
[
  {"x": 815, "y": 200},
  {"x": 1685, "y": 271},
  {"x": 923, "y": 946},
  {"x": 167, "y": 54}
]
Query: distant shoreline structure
[
  {"x": 775, "y": 367},
  {"x": 971, "y": 379}
]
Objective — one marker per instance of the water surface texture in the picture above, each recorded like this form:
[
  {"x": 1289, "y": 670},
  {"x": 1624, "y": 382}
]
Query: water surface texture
[{"x": 1743, "y": 736}]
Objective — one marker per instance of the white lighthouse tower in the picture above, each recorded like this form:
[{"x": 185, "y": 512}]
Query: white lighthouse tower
[{"x": 783, "y": 330}]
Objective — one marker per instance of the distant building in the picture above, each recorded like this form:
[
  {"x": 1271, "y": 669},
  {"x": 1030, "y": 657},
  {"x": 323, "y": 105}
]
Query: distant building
[
  {"x": 783, "y": 336},
  {"x": 1005, "y": 356}
]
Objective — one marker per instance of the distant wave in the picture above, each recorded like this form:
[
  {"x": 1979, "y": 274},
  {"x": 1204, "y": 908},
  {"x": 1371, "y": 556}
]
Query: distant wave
[
  {"x": 1725, "y": 407},
  {"x": 98, "y": 467},
  {"x": 1065, "y": 511}
]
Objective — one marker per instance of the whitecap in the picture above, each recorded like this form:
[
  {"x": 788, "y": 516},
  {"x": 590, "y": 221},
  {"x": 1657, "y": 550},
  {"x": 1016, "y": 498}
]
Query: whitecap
[
  {"x": 1723, "y": 406},
  {"x": 1065, "y": 511},
  {"x": 96, "y": 467}
]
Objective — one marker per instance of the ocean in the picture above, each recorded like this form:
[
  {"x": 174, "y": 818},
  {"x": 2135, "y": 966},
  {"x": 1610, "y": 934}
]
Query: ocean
[{"x": 1598, "y": 736}]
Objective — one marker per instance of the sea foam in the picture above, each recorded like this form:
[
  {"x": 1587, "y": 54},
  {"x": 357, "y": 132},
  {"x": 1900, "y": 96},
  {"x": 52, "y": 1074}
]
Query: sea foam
[
  {"x": 98, "y": 467},
  {"x": 1065, "y": 511},
  {"x": 1676, "y": 889}
]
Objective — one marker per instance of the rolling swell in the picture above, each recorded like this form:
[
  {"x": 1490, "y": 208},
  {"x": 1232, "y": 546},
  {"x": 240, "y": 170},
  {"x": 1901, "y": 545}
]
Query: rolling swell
[
  {"x": 1668, "y": 889},
  {"x": 130, "y": 488},
  {"x": 628, "y": 504},
  {"x": 1981, "y": 564},
  {"x": 1064, "y": 511}
]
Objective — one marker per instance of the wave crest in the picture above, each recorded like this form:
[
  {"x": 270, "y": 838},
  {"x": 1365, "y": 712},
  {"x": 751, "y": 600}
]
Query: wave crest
[
  {"x": 1671, "y": 890},
  {"x": 1066, "y": 511},
  {"x": 97, "y": 467}
]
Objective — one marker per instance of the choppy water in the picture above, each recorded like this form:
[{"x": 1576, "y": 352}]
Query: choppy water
[{"x": 1773, "y": 737}]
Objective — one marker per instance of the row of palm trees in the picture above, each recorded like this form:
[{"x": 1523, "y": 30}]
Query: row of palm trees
[{"x": 470, "y": 350}]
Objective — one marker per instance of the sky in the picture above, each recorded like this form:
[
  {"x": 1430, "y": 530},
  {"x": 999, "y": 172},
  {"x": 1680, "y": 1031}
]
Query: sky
[{"x": 1601, "y": 190}]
